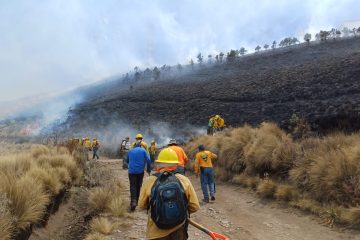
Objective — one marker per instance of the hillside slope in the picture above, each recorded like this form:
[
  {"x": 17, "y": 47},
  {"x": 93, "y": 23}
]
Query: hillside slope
[{"x": 320, "y": 82}]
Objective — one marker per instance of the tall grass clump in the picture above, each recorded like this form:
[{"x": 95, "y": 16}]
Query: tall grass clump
[
  {"x": 315, "y": 174},
  {"x": 29, "y": 182},
  {"x": 6, "y": 218},
  {"x": 27, "y": 199},
  {"x": 107, "y": 198},
  {"x": 102, "y": 225}
]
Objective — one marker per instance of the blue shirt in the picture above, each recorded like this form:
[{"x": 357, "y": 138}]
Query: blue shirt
[{"x": 137, "y": 158}]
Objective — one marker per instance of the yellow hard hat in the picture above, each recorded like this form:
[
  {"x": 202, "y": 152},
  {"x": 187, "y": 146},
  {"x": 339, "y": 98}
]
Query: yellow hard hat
[
  {"x": 94, "y": 139},
  {"x": 217, "y": 116},
  {"x": 139, "y": 136},
  {"x": 167, "y": 155}
]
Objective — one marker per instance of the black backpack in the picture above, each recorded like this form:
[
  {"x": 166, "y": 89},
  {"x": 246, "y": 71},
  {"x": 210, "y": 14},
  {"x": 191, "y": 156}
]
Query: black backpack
[{"x": 168, "y": 202}]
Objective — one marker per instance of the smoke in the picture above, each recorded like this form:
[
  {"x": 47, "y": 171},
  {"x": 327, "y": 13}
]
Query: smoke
[
  {"x": 38, "y": 115},
  {"x": 58, "y": 45},
  {"x": 55, "y": 46},
  {"x": 112, "y": 135}
]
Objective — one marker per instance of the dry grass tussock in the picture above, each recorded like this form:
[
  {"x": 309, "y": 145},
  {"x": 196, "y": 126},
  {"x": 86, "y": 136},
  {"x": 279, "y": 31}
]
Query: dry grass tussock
[
  {"x": 108, "y": 198},
  {"x": 102, "y": 225},
  {"x": 318, "y": 172},
  {"x": 29, "y": 181},
  {"x": 6, "y": 218},
  {"x": 96, "y": 236},
  {"x": 267, "y": 188}
]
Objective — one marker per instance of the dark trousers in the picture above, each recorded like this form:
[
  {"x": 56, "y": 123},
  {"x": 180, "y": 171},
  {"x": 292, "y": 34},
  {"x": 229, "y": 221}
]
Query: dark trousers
[
  {"x": 152, "y": 159},
  {"x": 95, "y": 153},
  {"x": 135, "y": 185}
]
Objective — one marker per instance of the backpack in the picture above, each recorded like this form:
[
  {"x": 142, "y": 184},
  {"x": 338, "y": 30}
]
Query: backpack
[{"x": 168, "y": 202}]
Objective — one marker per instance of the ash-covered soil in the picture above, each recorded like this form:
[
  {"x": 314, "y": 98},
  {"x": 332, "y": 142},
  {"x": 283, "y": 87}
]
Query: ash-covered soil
[{"x": 320, "y": 82}]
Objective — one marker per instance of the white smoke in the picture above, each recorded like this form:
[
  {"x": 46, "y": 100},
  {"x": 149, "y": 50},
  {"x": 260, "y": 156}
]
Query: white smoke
[{"x": 57, "y": 45}]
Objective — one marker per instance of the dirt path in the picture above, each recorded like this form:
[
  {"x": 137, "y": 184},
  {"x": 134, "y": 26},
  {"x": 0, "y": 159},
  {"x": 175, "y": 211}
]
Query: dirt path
[
  {"x": 236, "y": 213},
  {"x": 239, "y": 214}
]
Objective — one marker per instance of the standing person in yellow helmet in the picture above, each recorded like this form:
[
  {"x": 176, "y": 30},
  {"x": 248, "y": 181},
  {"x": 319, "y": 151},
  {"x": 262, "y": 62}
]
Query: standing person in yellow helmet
[
  {"x": 95, "y": 148},
  {"x": 139, "y": 140},
  {"x": 169, "y": 197}
]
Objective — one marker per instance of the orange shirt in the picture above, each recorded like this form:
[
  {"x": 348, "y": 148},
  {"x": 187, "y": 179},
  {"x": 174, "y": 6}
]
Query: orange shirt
[{"x": 183, "y": 159}]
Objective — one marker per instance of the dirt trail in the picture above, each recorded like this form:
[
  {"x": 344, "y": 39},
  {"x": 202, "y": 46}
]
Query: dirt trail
[
  {"x": 236, "y": 213},
  {"x": 239, "y": 214}
]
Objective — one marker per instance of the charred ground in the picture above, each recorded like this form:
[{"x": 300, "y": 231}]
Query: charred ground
[{"x": 320, "y": 82}]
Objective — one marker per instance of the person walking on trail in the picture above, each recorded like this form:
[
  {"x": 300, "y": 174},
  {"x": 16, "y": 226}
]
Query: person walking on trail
[
  {"x": 203, "y": 161},
  {"x": 137, "y": 159},
  {"x": 183, "y": 159},
  {"x": 152, "y": 152},
  {"x": 139, "y": 140},
  {"x": 123, "y": 151},
  {"x": 95, "y": 148},
  {"x": 169, "y": 198}
]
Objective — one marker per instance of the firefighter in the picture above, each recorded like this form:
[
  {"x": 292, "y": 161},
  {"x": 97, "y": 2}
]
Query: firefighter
[
  {"x": 152, "y": 152},
  {"x": 95, "y": 148},
  {"x": 139, "y": 140},
  {"x": 204, "y": 165},
  {"x": 183, "y": 159},
  {"x": 123, "y": 152}
]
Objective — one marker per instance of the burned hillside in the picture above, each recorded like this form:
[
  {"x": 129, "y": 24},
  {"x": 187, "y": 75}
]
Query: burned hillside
[{"x": 319, "y": 82}]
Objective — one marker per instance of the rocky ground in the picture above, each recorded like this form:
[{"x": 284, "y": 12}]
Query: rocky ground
[{"x": 319, "y": 82}]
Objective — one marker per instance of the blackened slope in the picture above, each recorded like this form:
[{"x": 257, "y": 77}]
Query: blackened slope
[{"x": 319, "y": 82}]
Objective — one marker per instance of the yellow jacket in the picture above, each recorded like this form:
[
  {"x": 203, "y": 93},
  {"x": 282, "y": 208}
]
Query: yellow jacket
[
  {"x": 152, "y": 230},
  {"x": 219, "y": 123},
  {"x": 95, "y": 144},
  {"x": 87, "y": 144},
  {"x": 143, "y": 145},
  {"x": 152, "y": 149},
  {"x": 204, "y": 159}
]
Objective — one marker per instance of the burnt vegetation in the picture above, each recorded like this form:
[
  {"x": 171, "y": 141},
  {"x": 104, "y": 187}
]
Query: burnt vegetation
[{"x": 316, "y": 80}]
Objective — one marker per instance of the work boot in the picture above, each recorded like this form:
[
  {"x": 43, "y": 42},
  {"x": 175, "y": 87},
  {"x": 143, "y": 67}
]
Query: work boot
[
  {"x": 133, "y": 205},
  {"x": 212, "y": 198},
  {"x": 205, "y": 200}
]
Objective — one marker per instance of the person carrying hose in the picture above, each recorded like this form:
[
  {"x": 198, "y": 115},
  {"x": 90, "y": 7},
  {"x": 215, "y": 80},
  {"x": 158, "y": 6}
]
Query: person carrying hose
[
  {"x": 169, "y": 198},
  {"x": 203, "y": 162}
]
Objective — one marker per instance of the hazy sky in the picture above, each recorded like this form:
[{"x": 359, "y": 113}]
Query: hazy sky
[{"x": 54, "y": 45}]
